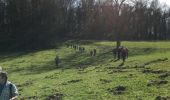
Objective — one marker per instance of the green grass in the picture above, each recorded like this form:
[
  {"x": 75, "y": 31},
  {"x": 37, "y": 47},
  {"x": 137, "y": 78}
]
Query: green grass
[{"x": 81, "y": 77}]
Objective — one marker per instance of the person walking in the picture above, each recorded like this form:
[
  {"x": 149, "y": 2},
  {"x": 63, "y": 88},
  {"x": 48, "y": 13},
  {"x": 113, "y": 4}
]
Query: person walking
[{"x": 8, "y": 90}]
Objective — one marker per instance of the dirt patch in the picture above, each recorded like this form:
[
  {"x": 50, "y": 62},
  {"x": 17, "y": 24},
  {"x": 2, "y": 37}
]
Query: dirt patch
[
  {"x": 110, "y": 67},
  {"x": 117, "y": 90},
  {"x": 50, "y": 77},
  {"x": 75, "y": 81},
  {"x": 100, "y": 70},
  {"x": 27, "y": 83},
  {"x": 153, "y": 71},
  {"x": 29, "y": 98},
  {"x": 157, "y": 82},
  {"x": 131, "y": 75},
  {"x": 164, "y": 75},
  {"x": 72, "y": 81},
  {"x": 80, "y": 71},
  {"x": 56, "y": 96},
  {"x": 104, "y": 81},
  {"x": 138, "y": 66},
  {"x": 116, "y": 71},
  {"x": 20, "y": 89},
  {"x": 150, "y": 62},
  {"x": 162, "y": 98},
  {"x": 155, "y": 61}
]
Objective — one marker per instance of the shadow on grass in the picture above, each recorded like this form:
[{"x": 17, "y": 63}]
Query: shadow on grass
[
  {"x": 73, "y": 61},
  {"x": 146, "y": 51},
  {"x": 13, "y": 54},
  {"x": 79, "y": 60},
  {"x": 7, "y": 56},
  {"x": 34, "y": 69}
]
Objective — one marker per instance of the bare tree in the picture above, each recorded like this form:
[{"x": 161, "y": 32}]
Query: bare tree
[{"x": 117, "y": 7}]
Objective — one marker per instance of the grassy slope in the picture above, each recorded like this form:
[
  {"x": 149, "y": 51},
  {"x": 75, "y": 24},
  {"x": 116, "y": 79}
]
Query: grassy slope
[{"x": 37, "y": 76}]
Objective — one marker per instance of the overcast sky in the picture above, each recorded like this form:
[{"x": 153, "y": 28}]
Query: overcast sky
[{"x": 165, "y": 1}]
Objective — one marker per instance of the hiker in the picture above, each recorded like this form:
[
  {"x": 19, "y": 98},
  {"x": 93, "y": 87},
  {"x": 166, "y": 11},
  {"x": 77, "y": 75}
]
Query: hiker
[
  {"x": 75, "y": 47},
  {"x": 124, "y": 53},
  {"x": 83, "y": 49},
  {"x": 8, "y": 91},
  {"x": 71, "y": 45},
  {"x": 91, "y": 53},
  {"x": 79, "y": 48},
  {"x": 67, "y": 45},
  {"x": 94, "y": 52},
  {"x": 57, "y": 60}
]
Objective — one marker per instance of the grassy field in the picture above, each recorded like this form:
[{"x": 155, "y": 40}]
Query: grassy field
[{"x": 144, "y": 76}]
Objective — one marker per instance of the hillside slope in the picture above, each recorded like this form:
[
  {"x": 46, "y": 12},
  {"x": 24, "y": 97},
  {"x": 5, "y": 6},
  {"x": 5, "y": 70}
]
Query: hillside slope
[{"x": 144, "y": 76}]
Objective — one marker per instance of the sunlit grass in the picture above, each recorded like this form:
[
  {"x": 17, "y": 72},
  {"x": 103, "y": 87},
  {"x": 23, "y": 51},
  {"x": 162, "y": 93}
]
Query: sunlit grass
[{"x": 79, "y": 76}]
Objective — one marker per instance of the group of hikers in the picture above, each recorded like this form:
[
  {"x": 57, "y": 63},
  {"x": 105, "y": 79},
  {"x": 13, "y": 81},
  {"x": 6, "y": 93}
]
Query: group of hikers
[
  {"x": 81, "y": 49},
  {"x": 76, "y": 47},
  {"x": 93, "y": 52},
  {"x": 119, "y": 52}
]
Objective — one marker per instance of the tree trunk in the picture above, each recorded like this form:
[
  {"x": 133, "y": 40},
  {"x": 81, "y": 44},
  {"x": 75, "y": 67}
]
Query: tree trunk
[{"x": 118, "y": 44}]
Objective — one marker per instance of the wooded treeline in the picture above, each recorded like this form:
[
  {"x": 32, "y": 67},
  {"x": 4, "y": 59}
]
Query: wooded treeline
[{"x": 40, "y": 23}]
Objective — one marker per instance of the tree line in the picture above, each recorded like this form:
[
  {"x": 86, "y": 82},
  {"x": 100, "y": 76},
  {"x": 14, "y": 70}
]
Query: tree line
[{"x": 41, "y": 23}]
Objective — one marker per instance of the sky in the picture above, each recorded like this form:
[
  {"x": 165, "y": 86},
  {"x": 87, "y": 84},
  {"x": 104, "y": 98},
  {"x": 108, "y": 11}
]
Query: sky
[{"x": 165, "y": 1}]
